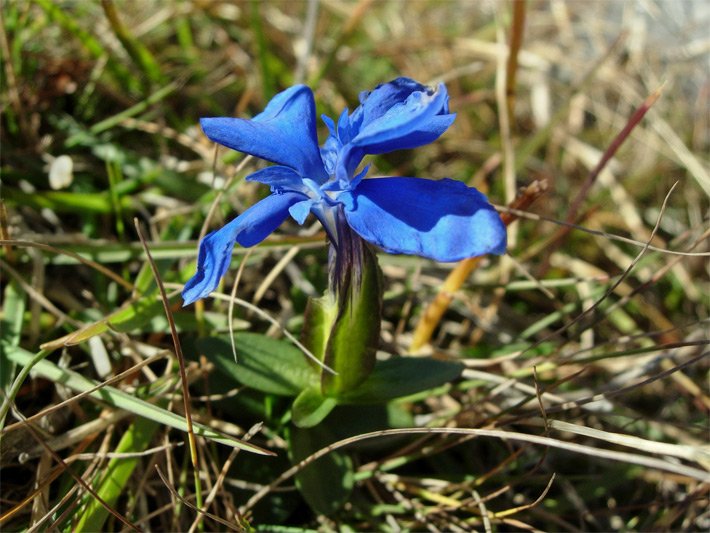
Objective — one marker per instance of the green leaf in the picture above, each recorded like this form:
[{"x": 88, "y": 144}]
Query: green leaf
[
  {"x": 402, "y": 376},
  {"x": 65, "y": 202},
  {"x": 130, "y": 316},
  {"x": 263, "y": 363},
  {"x": 311, "y": 407},
  {"x": 355, "y": 335},
  {"x": 116, "y": 474},
  {"x": 327, "y": 483},
  {"x": 10, "y": 331},
  {"x": 122, "y": 400}
]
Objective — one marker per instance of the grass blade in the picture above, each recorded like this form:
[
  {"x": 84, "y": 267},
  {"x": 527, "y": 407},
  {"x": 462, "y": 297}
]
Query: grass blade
[{"x": 122, "y": 400}]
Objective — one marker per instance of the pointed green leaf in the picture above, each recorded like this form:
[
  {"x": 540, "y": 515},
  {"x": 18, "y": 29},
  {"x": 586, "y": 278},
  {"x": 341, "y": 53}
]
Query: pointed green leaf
[
  {"x": 128, "y": 317},
  {"x": 116, "y": 474},
  {"x": 311, "y": 407},
  {"x": 402, "y": 376},
  {"x": 10, "y": 330},
  {"x": 122, "y": 400},
  {"x": 146, "y": 313},
  {"x": 263, "y": 363}
]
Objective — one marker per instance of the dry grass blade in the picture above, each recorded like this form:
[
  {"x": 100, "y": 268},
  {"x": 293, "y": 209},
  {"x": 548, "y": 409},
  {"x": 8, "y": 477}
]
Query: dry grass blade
[
  {"x": 690, "y": 453},
  {"x": 484, "y": 512},
  {"x": 517, "y": 30},
  {"x": 629, "y": 458},
  {"x": 573, "y": 404},
  {"x": 88, "y": 262},
  {"x": 233, "y": 297}
]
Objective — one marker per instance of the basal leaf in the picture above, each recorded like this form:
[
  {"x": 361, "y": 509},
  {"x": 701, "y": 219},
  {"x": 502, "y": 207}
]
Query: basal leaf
[
  {"x": 402, "y": 376},
  {"x": 263, "y": 363},
  {"x": 327, "y": 483}
]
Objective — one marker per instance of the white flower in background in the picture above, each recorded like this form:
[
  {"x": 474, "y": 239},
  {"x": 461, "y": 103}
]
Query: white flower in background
[{"x": 61, "y": 172}]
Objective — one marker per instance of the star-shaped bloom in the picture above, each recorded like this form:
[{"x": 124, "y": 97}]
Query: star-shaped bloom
[{"x": 440, "y": 219}]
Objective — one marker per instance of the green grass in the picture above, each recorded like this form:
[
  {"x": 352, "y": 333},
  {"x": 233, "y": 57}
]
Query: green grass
[{"x": 568, "y": 383}]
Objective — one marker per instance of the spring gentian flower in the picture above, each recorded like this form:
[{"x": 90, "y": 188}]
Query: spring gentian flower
[{"x": 443, "y": 220}]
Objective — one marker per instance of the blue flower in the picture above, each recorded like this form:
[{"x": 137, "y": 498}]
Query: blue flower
[{"x": 443, "y": 220}]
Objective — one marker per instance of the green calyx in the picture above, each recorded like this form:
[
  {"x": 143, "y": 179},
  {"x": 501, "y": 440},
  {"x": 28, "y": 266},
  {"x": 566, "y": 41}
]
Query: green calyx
[{"x": 342, "y": 328}]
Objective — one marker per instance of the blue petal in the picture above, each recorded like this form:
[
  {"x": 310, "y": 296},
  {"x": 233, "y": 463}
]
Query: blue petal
[
  {"x": 329, "y": 124},
  {"x": 277, "y": 176},
  {"x": 418, "y": 120},
  {"x": 398, "y": 115},
  {"x": 248, "y": 229},
  {"x": 375, "y": 103},
  {"x": 426, "y": 132},
  {"x": 444, "y": 220},
  {"x": 349, "y": 159},
  {"x": 284, "y": 133},
  {"x": 344, "y": 127},
  {"x": 299, "y": 211},
  {"x": 329, "y": 153}
]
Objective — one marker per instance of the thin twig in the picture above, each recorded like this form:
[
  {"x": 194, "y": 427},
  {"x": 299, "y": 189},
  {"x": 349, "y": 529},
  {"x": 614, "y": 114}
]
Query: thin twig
[
  {"x": 220, "y": 193},
  {"x": 598, "y": 233},
  {"x": 230, "y": 307}
]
